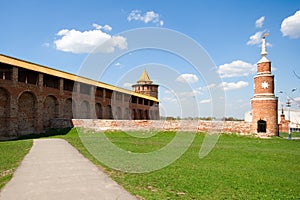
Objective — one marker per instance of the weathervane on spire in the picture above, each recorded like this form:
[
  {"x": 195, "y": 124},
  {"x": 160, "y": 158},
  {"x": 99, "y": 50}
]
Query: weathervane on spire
[{"x": 264, "y": 49}]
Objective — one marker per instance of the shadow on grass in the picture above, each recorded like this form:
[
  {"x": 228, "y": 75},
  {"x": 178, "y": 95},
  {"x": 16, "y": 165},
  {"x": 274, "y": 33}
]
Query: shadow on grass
[{"x": 48, "y": 133}]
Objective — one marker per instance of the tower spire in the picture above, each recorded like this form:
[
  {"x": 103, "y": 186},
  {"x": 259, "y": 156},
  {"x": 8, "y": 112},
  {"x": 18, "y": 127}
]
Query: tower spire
[
  {"x": 264, "y": 49},
  {"x": 144, "y": 78}
]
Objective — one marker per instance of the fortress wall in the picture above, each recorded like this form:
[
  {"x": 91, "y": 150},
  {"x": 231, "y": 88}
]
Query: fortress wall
[
  {"x": 32, "y": 101},
  {"x": 240, "y": 127}
]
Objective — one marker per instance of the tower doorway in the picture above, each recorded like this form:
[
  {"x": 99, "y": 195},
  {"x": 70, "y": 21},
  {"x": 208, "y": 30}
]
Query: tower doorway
[{"x": 261, "y": 126}]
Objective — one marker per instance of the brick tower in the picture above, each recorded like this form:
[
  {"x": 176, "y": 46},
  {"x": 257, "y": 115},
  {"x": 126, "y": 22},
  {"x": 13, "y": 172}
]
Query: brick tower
[
  {"x": 145, "y": 86},
  {"x": 264, "y": 103}
]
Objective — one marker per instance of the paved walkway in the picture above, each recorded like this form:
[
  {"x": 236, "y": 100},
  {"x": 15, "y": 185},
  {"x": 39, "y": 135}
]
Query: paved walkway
[{"x": 54, "y": 169}]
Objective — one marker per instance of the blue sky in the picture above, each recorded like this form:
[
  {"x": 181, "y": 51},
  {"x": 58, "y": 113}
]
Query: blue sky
[{"x": 51, "y": 33}]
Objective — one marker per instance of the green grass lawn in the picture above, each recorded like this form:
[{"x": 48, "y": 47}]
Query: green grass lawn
[
  {"x": 294, "y": 134},
  {"x": 237, "y": 168},
  {"x": 11, "y": 155}
]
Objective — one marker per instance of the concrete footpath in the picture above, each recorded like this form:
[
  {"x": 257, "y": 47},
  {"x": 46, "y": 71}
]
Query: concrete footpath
[{"x": 53, "y": 169}]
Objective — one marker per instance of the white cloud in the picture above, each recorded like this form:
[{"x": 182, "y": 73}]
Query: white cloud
[
  {"x": 84, "y": 42},
  {"x": 187, "y": 78},
  {"x": 105, "y": 27},
  {"x": 290, "y": 26},
  {"x": 110, "y": 45},
  {"x": 147, "y": 17},
  {"x": 151, "y": 16},
  {"x": 169, "y": 99},
  {"x": 234, "y": 86},
  {"x": 256, "y": 38},
  {"x": 235, "y": 69},
  {"x": 207, "y": 87},
  {"x": 260, "y": 22},
  {"x": 97, "y": 26},
  {"x": 128, "y": 85},
  {"x": 205, "y": 101},
  {"x": 118, "y": 64}
]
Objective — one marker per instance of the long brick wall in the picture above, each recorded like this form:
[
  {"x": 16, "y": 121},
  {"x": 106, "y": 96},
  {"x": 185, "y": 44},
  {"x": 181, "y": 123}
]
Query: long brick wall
[
  {"x": 31, "y": 100},
  {"x": 240, "y": 127}
]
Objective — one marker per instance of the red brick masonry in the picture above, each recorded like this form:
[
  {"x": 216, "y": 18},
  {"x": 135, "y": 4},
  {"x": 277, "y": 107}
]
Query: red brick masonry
[{"x": 240, "y": 127}]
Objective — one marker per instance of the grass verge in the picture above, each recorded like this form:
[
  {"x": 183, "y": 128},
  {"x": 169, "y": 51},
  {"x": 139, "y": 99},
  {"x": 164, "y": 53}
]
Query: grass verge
[{"x": 11, "y": 155}]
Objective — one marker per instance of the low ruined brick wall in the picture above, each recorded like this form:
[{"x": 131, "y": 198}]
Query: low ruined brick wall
[
  {"x": 240, "y": 127},
  {"x": 59, "y": 123}
]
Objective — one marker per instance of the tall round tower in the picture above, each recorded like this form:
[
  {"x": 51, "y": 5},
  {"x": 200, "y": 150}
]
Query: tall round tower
[
  {"x": 145, "y": 86},
  {"x": 264, "y": 103}
]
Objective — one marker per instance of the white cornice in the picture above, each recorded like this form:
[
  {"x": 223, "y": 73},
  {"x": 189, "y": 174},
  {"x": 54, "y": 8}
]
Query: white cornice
[{"x": 255, "y": 98}]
